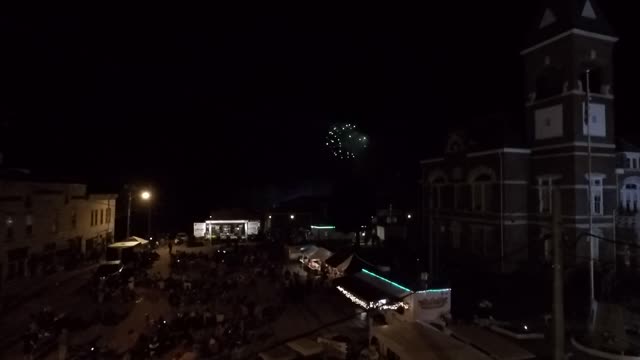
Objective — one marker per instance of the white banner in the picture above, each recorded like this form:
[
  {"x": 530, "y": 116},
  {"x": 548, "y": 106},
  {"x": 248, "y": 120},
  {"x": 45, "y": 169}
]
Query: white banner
[
  {"x": 253, "y": 227},
  {"x": 199, "y": 229},
  {"x": 432, "y": 304}
]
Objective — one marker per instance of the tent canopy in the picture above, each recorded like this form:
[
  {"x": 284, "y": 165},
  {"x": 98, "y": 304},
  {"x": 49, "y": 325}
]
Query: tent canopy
[
  {"x": 306, "y": 347},
  {"x": 320, "y": 253},
  {"x": 412, "y": 340}
]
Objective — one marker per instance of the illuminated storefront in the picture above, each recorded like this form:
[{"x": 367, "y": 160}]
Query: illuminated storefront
[{"x": 230, "y": 229}]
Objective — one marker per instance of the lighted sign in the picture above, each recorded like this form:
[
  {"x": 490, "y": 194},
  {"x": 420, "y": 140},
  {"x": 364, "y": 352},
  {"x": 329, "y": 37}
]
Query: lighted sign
[{"x": 322, "y": 227}]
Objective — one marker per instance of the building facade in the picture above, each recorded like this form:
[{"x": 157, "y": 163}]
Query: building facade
[
  {"x": 42, "y": 224},
  {"x": 493, "y": 202}
]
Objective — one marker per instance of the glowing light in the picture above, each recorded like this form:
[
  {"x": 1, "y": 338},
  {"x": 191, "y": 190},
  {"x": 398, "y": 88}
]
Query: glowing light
[
  {"x": 433, "y": 290},
  {"x": 322, "y": 227},
  {"x": 269, "y": 216},
  {"x": 380, "y": 304},
  {"x": 145, "y": 195},
  {"x": 292, "y": 216},
  {"x": 408, "y": 216},
  {"x": 525, "y": 327},
  {"x": 386, "y": 280}
]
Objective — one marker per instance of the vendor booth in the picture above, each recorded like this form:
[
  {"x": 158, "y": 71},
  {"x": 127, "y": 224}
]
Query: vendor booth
[{"x": 314, "y": 257}]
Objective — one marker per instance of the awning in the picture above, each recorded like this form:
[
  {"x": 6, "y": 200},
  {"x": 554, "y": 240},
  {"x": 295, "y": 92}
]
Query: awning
[
  {"x": 138, "y": 239},
  {"x": 279, "y": 353},
  {"x": 306, "y": 347},
  {"x": 412, "y": 340}
]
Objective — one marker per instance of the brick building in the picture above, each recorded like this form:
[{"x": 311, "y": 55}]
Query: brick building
[{"x": 487, "y": 199}]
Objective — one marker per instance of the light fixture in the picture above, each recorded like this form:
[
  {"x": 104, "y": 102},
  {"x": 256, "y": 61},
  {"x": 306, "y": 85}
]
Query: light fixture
[
  {"x": 408, "y": 216},
  {"x": 269, "y": 216},
  {"x": 322, "y": 227},
  {"x": 145, "y": 195},
  {"x": 292, "y": 216}
]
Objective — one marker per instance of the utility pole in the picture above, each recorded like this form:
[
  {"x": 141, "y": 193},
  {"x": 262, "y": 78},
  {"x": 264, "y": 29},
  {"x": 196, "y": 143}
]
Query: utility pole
[
  {"x": 558, "y": 285},
  {"x": 592, "y": 240},
  {"x": 128, "y": 216}
]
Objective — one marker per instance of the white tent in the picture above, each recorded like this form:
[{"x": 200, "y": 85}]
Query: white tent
[
  {"x": 306, "y": 347},
  {"x": 279, "y": 353},
  {"x": 320, "y": 253},
  {"x": 412, "y": 340}
]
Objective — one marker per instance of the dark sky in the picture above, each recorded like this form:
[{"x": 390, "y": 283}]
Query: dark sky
[{"x": 195, "y": 101}]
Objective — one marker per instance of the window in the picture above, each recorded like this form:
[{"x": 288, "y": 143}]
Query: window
[
  {"x": 9, "y": 224},
  {"x": 101, "y": 216},
  {"x": 481, "y": 193},
  {"x": 456, "y": 231},
  {"x": 549, "y": 83},
  {"x": 74, "y": 219},
  {"x": 545, "y": 194},
  {"x": 28, "y": 225},
  {"x": 435, "y": 193},
  {"x": 108, "y": 220},
  {"x": 457, "y": 196},
  {"x": 595, "y": 80},
  {"x": 630, "y": 193},
  {"x": 627, "y": 162},
  {"x": 634, "y": 163},
  {"x": 55, "y": 223},
  {"x": 596, "y": 196}
]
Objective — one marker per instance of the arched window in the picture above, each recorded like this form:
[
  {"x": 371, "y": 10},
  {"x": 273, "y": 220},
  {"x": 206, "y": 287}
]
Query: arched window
[
  {"x": 630, "y": 194},
  {"x": 549, "y": 83},
  {"x": 437, "y": 179},
  {"x": 482, "y": 180}
]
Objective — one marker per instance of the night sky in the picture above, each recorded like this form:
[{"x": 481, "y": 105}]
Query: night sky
[{"x": 207, "y": 104}]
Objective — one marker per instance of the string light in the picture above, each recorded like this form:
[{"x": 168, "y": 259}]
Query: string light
[{"x": 380, "y": 304}]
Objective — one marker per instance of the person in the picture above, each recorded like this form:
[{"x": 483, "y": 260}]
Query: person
[{"x": 63, "y": 343}]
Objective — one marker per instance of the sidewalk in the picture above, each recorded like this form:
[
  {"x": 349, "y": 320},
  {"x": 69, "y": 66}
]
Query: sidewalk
[{"x": 17, "y": 292}]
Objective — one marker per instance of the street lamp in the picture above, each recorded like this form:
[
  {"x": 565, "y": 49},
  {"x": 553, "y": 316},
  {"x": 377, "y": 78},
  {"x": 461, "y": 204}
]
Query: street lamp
[
  {"x": 144, "y": 195},
  {"x": 408, "y": 216},
  {"x": 292, "y": 216}
]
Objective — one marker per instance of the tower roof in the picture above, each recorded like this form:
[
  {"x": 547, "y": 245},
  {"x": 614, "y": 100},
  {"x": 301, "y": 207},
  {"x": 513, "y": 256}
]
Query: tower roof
[{"x": 558, "y": 16}]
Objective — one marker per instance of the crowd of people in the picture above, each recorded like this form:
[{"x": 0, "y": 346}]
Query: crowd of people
[{"x": 222, "y": 304}]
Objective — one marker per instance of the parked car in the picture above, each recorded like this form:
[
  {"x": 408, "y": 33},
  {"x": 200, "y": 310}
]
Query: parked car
[{"x": 113, "y": 273}]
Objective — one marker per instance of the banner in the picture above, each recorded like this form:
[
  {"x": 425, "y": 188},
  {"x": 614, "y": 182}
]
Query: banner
[
  {"x": 432, "y": 304},
  {"x": 199, "y": 229}
]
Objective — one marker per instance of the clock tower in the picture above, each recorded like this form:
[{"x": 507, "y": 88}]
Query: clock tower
[{"x": 569, "y": 39}]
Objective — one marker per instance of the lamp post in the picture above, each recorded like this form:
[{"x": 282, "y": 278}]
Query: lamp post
[{"x": 144, "y": 195}]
